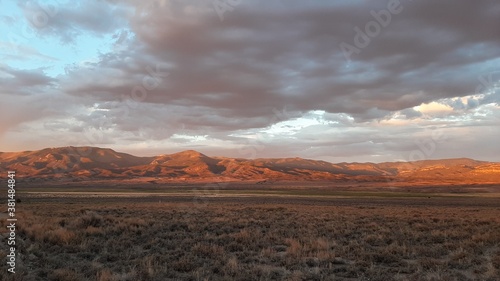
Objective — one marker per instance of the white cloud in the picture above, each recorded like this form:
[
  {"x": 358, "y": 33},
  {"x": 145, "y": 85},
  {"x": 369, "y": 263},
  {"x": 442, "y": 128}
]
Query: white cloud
[{"x": 434, "y": 109}]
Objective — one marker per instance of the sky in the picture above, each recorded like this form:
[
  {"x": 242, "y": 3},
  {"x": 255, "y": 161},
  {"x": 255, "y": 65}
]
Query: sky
[{"x": 341, "y": 81}]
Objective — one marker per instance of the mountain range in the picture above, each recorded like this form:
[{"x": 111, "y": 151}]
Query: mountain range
[{"x": 80, "y": 164}]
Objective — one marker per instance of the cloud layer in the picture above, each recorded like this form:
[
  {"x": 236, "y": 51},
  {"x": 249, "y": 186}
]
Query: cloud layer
[{"x": 270, "y": 79}]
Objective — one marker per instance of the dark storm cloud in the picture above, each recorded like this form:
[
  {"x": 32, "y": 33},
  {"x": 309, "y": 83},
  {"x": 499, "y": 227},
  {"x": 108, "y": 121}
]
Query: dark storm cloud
[{"x": 268, "y": 55}]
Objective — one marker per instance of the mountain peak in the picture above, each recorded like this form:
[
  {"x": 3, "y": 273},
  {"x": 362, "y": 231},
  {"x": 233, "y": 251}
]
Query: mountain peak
[{"x": 189, "y": 154}]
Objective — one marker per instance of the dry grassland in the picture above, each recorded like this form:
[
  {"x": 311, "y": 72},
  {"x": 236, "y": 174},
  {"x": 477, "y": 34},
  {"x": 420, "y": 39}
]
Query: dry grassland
[{"x": 137, "y": 239}]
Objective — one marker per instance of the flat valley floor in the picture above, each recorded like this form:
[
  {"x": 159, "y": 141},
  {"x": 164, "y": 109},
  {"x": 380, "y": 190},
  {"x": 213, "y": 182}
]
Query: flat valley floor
[{"x": 99, "y": 236}]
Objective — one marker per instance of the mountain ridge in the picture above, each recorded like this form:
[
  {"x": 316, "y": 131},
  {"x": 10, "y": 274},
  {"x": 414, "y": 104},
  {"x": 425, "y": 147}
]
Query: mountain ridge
[{"x": 94, "y": 163}]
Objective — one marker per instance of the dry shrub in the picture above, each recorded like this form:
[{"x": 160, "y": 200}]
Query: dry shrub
[
  {"x": 268, "y": 255},
  {"x": 105, "y": 275},
  {"x": 91, "y": 230},
  {"x": 243, "y": 237},
  {"x": 294, "y": 247},
  {"x": 64, "y": 274},
  {"x": 430, "y": 264},
  {"x": 184, "y": 264},
  {"x": 34, "y": 231},
  {"x": 134, "y": 222},
  {"x": 147, "y": 267},
  {"x": 267, "y": 272},
  {"x": 232, "y": 266},
  {"x": 89, "y": 219},
  {"x": 61, "y": 236},
  {"x": 296, "y": 276},
  {"x": 495, "y": 260}
]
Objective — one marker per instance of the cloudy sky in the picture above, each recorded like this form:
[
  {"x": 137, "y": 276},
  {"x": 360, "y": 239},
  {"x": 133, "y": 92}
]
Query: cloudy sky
[{"x": 334, "y": 80}]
